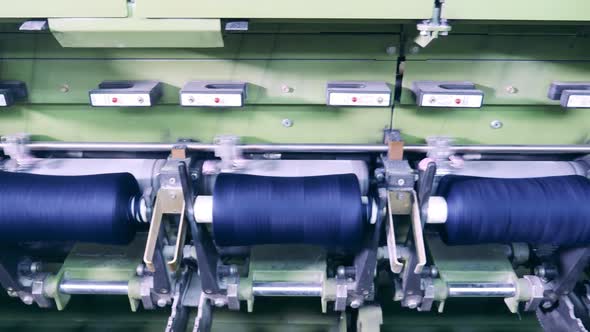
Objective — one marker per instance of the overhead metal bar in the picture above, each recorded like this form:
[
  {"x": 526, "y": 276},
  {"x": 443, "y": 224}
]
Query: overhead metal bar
[{"x": 303, "y": 148}]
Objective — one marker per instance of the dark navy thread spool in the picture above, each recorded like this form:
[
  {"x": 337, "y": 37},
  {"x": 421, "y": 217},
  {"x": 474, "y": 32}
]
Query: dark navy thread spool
[
  {"x": 319, "y": 210},
  {"x": 93, "y": 208},
  {"x": 548, "y": 210}
]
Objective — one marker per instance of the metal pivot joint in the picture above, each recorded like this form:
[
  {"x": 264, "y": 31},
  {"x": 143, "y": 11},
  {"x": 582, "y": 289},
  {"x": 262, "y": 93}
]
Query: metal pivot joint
[{"x": 434, "y": 27}]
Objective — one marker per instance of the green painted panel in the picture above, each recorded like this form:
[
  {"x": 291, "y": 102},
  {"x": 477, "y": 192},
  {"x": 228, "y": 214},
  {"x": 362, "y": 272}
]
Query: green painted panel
[
  {"x": 521, "y": 125},
  {"x": 332, "y": 9},
  {"x": 304, "y": 62},
  {"x": 538, "y": 10},
  {"x": 63, "y": 8},
  {"x": 168, "y": 123},
  {"x": 307, "y": 79},
  {"x": 136, "y": 32},
  {"x": 328, "y": 46},
  {"x": 501, "y": 60},
  {"x": 531, "y": 79}
]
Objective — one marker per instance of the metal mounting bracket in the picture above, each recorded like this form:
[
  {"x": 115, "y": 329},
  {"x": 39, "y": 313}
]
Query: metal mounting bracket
[{"x": 432, "y": 28}]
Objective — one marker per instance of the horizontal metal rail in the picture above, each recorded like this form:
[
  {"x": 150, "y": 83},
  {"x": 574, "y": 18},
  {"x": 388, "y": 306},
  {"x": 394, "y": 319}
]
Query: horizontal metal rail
[
  {"x": 93, "y": 287},
  {"x": 280, "y": 288},
  {"x": 304, "y": 148},
  {"x": 481, "y": 289}
]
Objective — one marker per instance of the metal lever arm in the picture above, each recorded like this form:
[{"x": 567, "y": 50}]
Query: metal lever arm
[{"x": 207, "y": 255}]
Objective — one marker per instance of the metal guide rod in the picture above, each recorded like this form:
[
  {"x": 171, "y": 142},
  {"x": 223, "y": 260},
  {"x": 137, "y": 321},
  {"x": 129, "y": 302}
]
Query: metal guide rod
[
  {"x": 303, "y": 148},
  {"x": 280, "y": 288},
  {"x": 481, "y": 289},
  {"x": 79, "y": 287}
]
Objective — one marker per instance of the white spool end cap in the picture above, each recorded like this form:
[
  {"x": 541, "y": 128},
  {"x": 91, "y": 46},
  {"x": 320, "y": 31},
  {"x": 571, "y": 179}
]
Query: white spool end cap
[
  {"x": 204, "y": 209},
  {"x": 437, "y": 210}
]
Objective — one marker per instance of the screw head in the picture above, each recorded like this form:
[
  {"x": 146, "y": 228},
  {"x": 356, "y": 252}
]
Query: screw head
[
  {"x": 287, "y": 123},
  {"x": 64, "y": 88},
  {"x": 163, "y": 291},
  {"x": 11, "y": 292},
  {"x": 391, "y": 50},
  {"x": 355, "y": 303},
  {"x": 286, "y": 89},
  {"x": 341, "y": 271},
  {"x": 36, "y": 267},
  {"x": 496, "y": 124},
  {"x": 162, "y": 302},
  {"x": 401, "y": 182},
  {"x": 219, "y": 302},
  {"x": 139, "y": 270},
  {"x": 28, "y": 299},
  {"x": 540, "y": 271},
  {"x": 414, "y": 49},
  {"x": 511, "y": 89}
]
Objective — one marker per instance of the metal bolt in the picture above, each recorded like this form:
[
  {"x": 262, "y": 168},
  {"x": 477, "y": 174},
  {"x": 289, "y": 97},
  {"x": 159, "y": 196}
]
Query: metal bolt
[
  {"x": 380, "y": 100},
  {"x": 219, "y": 302},
  {"x": 64, "y": 88},
  {"x": 27, "y": 299},
  {"x": 413, "y": 302},
  {"x": 380, "y": 176},
  {"x": 194, "y": 175},
  {"x": 163, "y": 291},
  {"x": 207, "y": 291},
  {"x": 365, "y": 292},
  {"x": 434, "y": 271},
  {"x": 36, "y": 267},
  {"x": 356, "y": 303},
  {"x": 140, "y": 100},
  {"x": 11, "y": 292},
  {"x": 287, "y": 123},
  {"x": 401, "y": 182},
  {"x": 191, "y": 99},
  {"x": 391, "y": 50},
  {"x": 511, "y": 89},
  {"x": 286, "y": 89},
  {"x": 162, "y": 302},
  {"x": 540, "y": 271},
  {"x": 414, "y": 49},
  {"x": 172, "y": 180},
  {"x": 546, "y": 304},
  {"x": 139, "y": 270},
  {"x": 545, "y": 272},
  {"x": 496, "y": 124}
]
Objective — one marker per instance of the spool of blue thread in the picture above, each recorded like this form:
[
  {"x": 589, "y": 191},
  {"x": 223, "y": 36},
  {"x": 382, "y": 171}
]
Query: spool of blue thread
[
  {"x": 548, "y": 210},
  {"x": 320, "y": 210},
  {"x": 93, "y": 208}
]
